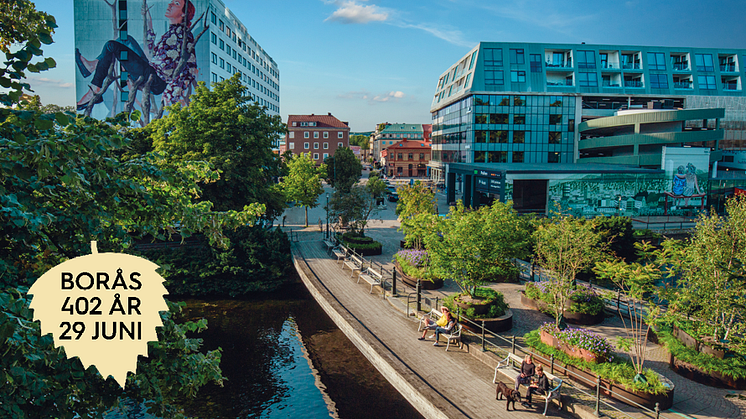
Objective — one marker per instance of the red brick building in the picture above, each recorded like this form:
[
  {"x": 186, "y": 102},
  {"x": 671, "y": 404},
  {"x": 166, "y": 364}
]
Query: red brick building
[
  {"x": 318, "y": 135},
  {"x": 408, "y": 158}
]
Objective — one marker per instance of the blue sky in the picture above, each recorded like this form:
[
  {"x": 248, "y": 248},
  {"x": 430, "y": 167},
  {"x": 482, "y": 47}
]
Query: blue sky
[{"x": 376, "y": 61}]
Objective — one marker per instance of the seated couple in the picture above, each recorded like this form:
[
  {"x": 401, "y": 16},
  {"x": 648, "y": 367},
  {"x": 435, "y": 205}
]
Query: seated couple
[
  {"x": 532, "y": 375},
  {"x": 445, "y": 324}
]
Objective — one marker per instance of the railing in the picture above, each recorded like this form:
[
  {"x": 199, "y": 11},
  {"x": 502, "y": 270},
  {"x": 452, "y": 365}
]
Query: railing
[
  {"x": 551, "y": 64},
  {"x": 727, "y": 86},
  {"x": 730, "y": 68},
  {"x": 385, "y": 273},
  {"x": 632, "y": 83},
  {"x": 559, "y": 83},
  {"x": 606, "y": 83},
  {"x": 681, "y": 66},
  {"x": 612, "y": 66},
  {"x": 631, "y": 66},
  {"x": 682, "y": 85}
]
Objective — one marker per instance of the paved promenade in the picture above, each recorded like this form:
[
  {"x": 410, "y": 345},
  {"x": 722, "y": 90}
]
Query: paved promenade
[{"x": 458, "y": 383}]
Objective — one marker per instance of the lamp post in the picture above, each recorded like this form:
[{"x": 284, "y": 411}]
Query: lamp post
[{"x": 327, "y": 216}]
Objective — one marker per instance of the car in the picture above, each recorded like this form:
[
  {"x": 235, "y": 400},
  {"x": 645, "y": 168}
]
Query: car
[{"x": 393, "y": 197}]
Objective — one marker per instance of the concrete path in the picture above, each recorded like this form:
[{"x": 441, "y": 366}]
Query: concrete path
[{"x": 457, "y": 382}]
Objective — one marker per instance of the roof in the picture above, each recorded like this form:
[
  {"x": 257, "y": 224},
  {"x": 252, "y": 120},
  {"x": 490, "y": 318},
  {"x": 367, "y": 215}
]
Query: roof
[
  {"x": 406, "y": 144},
  {"x": 543, "y": 168},
  {"x": 402, "y": 128},
  {"x": 322, "y": 121}
]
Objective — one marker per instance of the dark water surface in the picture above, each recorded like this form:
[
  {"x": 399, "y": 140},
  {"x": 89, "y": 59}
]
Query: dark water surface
[{"x": 284, "y": 358}]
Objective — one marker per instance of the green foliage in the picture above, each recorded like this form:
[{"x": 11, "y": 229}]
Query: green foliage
[
  {"x": 343, "y": 170},
  {"x": 258, "y": 259},
  {"x": 618, "y": 233},
  {"x": 731, "y": 366},
  {"x": 228, "y": 130},
  {"x": 362, "y": 141},
  {"x": 617, "y": 371},
  {"x": 356, "y": 206},
  {"x": 475, "y": 246},
  {"x": 581, "y": 300},
  {"x": 495, "y": 299},
  {"x": 303, "y": 182},
  {"x": 415, "y": 200}
]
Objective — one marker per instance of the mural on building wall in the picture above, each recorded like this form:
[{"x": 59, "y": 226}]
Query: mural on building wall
[
  {"x": 687, "y": 167},
  {"x": 148, "y": 74}
]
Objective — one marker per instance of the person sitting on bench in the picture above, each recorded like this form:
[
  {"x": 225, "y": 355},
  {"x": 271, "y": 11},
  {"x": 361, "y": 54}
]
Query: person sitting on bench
[
  {"x": 539, "y": 386},
  {"x": 431, "y": 325}
]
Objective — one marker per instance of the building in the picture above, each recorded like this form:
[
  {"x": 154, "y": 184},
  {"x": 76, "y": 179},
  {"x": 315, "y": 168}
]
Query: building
[
  {"x": 317, "y": 135},
  {"x": 407, "y": 158},
  {"x": 387, "y": 134},
  {"x": 114, "y": 33},
  {"x": 557, "y": 104}
]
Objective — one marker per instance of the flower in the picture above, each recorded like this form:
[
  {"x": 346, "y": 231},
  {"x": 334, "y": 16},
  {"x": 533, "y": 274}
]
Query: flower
[
  {"x": 416, "y": 258},
  {"x": 582, "y": 339}
]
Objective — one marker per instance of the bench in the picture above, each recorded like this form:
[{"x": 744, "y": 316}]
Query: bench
[
  {"x": 511, "y": 372},
  {"x": 355, "y": 264},
  {"x": 433, "y": 315},
  {"x": 329, "y": 245},
  {"x": 372, "y": 277},
  {"x": 340, "y": 253},
  {"x": 454, "y": 336}
]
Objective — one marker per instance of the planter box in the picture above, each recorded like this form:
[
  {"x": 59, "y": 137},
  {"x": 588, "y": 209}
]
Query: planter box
[
  {"x": 699, "y": 346},
  {"x": 412, "y": 282},
  {"x": 573, "y": 351},
  {"x": 495, "y": 325},
  {"x": 713, "y": 378},
  {"x": 613, "y": 390},
  {"x": 570, "y": 317}
]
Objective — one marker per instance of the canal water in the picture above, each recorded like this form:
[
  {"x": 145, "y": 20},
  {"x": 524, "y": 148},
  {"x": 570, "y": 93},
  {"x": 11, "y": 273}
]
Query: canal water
[{"x": 284, "y": 358}]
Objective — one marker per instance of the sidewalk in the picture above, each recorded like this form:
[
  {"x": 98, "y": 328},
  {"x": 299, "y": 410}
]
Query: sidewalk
[{"x": 690, "y": 399}]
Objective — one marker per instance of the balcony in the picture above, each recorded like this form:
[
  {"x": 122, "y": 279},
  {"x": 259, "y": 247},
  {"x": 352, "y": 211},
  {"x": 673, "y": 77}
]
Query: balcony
[
  {"x": 559, "y": 83},
  {"x": 681, "y": 66},
  {"x": 682, "y": 85},
  {"x": 633, "y": 83},
  {"x": 730, "y": 86},
  {"x": 553, "y": 64},
  {"x": 631, "y": 66},
  {"x": 728, "y": 68},
  {"x": 607, "y": 83}
]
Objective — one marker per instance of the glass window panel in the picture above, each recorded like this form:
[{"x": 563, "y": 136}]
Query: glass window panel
[
  {"x": 518, "y": 157},
  {"x": 586, "y": 59},
  {"x": 519, "y": 137},
  {"x": 704, "y": 62},
  {"x": 516, "y": 56},
  {"x": 656, "y": 61},
  {"x": 493, "y": 57}
]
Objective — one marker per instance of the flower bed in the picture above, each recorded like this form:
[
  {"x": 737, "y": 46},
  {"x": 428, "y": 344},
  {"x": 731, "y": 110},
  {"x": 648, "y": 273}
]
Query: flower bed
[
  {"x": 365, "y": 246},
  {"x": 411, "y": 265},
  {"x": 617, "y": 376},
  {"x": 577, "y": 343},
  {"x": 489, "y": 307},
  {"x": 584, "y": 307}
]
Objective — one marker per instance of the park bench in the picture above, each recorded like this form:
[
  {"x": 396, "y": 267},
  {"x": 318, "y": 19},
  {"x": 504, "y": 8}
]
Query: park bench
[
  {"x": 355, "y": 263},
  {"x": 371, "y": 276},
  {"x": 340, "y": 253},
  {"x": 454, "y": 336},
  {"x": 329, "y": 245},
  {"x": 433, "y": 315},
  {"x": 512, "y": 372}
]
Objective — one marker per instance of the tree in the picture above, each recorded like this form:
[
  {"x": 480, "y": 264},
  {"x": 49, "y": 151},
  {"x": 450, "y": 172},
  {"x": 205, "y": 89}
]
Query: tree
[
  {"x": 564, "y": 247},
  {"x": 474, "y": 246},
  {"x": 303, "y": 182},
  {"x": 415, "y": 200},
  {"x": 362, "y": 141},
  {"x": 227, "y": 129},
  {"x": 637, "y": 281},
  {"x": 357, "y": 206},
  {"x": 343, "y": 169}
]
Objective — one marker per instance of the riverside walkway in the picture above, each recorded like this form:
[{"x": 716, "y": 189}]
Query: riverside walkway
[{"x": 458, "y": 383}]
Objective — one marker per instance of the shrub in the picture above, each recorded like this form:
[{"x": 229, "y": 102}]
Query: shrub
[
  {"x": 583, "y": 339},
  {"x": 350, "y": 237},
  {"x": 495, "y": 299},
  {"x": 583, "y": 299}
]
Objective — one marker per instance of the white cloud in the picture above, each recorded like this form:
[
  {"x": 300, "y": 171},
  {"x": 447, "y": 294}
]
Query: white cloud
[
  {"x": 36, "y": 81},
  {"x": 452, "y": 36},
  {"x": 393, "y": 96},
  {"x": 350, "y": 11}
]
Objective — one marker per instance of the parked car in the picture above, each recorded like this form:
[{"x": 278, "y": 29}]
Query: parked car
[{"x": 393, "y": 197}]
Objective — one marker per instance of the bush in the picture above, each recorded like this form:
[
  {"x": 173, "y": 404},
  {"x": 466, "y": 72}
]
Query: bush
[
  {"x": 583, "y": 339},
  {"x": 583, "y": 299},
  {"x": 495, "y": 299},
  {"x": 257, "y": 260},
  {"x": 350, "y": 237}
]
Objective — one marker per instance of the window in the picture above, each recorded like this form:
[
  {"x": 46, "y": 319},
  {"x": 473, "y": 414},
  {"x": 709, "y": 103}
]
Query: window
[
  {"x": 519, "y": 101},
  {"x": 499, "y": 118},
  {"x": 222, "y": 25},
  {"x": 222, "y": 45},
  {"x": 480, "y": 136},
  {"x": 519, "y": 119},
  {"x": 707, "y": 82},
  {"x": 291, "y": 134},
  {"x": 340, "y": 145},
  {"x": 422, "y": 156},
  {"x": 306, "y": 134},
  {"x": 555, "y": 137},
  {"x": 519, "y": 137},
  {"x": 504, "y": 101},
  {"x": 517, "y": 157},
  {"x": 214, "y": 78},
  {"x": 587, "y": 79},
  {"x": 315, "y": 146},
  {"x": 704, "y": 62},
  {"x": 315, "y": 156},
  {"x": 399, "y": 170},
  {"x": 326, "y": 146},
  {"x": 222, "y": 63},
  {"x": 292, "y": 146},
  {"x": 555, "y": 119},
  {"x": 214, "y": 58},
  {"x": 536, "y": 63},
  {"x": 518, "y": 76},
  {"x": 481, "y": 118},
  {"x": 656, "y": 61},
  {"x": 213, "y": 38},
  {"x": 228, "y": 50},
  {"x": 499, "y": 136},
  {"x": 658, "y": 81},
  {"x": 399, "y": 156},
  {"x": 410, "y": 156},
  {"x": 213, "y": 18},
  {"x": 497, "y": 156},
  {"x": 586, "y": 59},
  {"x": 326, "y": 134},
  {"x": 553, "y": 157},
  {"x": 493, "y": 57},
  {"x": 555, "y": 101},
  {"x": 306, "y": 146},
  {"x": 340, "y": 135},
  {"x": 315, "y": 134},
  {"x": 516, "y": 56},
  {"x": 471, "y": 63},
  {"x": 326, "y": 156}
]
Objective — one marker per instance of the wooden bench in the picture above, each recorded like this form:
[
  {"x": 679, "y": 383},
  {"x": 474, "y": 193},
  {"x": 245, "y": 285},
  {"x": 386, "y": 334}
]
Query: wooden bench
[
  {"x": 555, "y": 383},
  {"x": 433, "y": 315},
  {"x": 355, "y": 263},
  {"x": 329, "y": 245},
  {"x": 371, "y": 276},
  {"x": 340, "y": 253},
  {"x": 454, "y": 336}
]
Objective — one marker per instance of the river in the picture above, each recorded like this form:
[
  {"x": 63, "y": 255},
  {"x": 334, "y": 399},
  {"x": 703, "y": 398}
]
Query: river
[{"x": 284, "y": 358}]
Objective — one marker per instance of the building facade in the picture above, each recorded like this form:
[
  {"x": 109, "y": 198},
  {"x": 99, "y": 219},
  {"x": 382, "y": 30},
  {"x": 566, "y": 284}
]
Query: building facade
[
  {"x": 387, "y": 134},
  {"x": 523, "y": 102},
  {"x": 317, "y": 135},
  {"x": 407, "y": 158},
  {"x": 147, "y": 61}
]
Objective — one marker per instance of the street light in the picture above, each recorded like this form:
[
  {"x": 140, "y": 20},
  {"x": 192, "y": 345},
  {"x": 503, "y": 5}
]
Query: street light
[{"x": 327, "y": 216}]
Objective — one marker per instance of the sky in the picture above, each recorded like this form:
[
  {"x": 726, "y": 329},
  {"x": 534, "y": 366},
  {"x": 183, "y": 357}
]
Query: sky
[{"x": 373, "y": 61}]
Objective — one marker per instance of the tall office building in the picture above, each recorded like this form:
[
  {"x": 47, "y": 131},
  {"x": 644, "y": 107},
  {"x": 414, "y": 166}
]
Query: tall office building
[{"x": 145, "y": 55}]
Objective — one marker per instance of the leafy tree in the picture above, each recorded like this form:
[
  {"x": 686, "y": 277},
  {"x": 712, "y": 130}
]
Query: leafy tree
[
  {"x": 474, "y": 246},
  {"x": 362, "y": 141},
  {"x": 343, "y": 169},
  {"x": 565, "y": 246},
  {"x": 227, "y": 129},
  {"x": 618, "y": 233},
  {"x": 357, "y": 206},
  {"x": 303, "y": 182},
  {"x": 415, "y": 200},
  {"x": 638, "y": 282},
  {"x": 711, "y": 277}
]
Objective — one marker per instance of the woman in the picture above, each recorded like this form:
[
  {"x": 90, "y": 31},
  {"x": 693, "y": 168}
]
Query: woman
[
  {"x": 161, "y": 70},
  {"x": 539, "y": 386},
  {"x": 527, "y": 371},
  {"x": 447, "y": 329},
  {"x": 445, "y": 317}
]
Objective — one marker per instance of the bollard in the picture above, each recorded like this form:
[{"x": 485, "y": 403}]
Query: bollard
[
  {"x": 657, "y": 410},
  {"x": 483, "y": 347},
  {"x": 598, "y": 395},
  {"x": 512, "y": 348},
  {"x": 551, "y": 364},
  {"x": 419, "y": 296},
  {"x": 393, "y": 284}
]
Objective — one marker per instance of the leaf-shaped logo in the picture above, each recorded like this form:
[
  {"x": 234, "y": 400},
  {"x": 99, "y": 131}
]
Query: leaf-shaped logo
[{"x": 102, "y": 308}]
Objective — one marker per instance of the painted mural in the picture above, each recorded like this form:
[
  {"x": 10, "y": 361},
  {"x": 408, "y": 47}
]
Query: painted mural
[{"x": 148, "y": 62}]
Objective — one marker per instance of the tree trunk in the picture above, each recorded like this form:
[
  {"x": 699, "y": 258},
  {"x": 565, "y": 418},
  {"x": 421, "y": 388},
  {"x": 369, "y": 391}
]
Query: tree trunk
[{"x": 306, "y": 215}]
